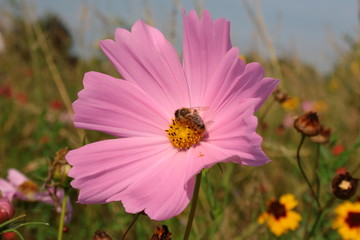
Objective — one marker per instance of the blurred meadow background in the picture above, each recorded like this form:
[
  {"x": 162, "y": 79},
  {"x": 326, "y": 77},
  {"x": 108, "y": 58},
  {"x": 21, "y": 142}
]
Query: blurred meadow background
[{"x": 313, "y": 47}]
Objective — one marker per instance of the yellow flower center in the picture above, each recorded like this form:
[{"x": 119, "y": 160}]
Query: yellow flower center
[
  {"x": 183, "y": 133},
  {"x": 28, "y": 188}
]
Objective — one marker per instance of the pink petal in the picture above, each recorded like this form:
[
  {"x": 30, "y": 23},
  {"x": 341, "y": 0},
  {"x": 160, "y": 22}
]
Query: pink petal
[
  {"x": 15, "y": 177},
  {"x": 223, "y": 83},
  {"x": 118, "y": 107},
  {"x": 7, "y": 189},
  {"x": 232, "y": 137},
  {"x": 252, "y": 84},
  {"x": 143, "y": 56},
  {"x": 144, "y": 173},
  {"x": 208, "y": 153},
  {"x": 205, "y": 43},
  {"x": 233, "y": 81},
  {"x": 235, "y": 130}
]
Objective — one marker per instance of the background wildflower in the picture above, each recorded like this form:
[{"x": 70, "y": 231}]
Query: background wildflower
[
  {"x": 323, "y": 137},
  {"x": 291, "y": 103},
  {"x": 279, "y": 216},
  {"x": 161, "y": 233},
  {"x": 18, "y": 186},
  {"x": 347, "y": 221},
  {"x": 337, "y": 149},
  {"x": 344, "y": 186},
  {"x": 308, "y": 124}
]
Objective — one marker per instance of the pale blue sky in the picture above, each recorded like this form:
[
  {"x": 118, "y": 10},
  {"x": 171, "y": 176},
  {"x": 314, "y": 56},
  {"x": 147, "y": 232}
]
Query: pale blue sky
[{"x": 311, "y": 28}]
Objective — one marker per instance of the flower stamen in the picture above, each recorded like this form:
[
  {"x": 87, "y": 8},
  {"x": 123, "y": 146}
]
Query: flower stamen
[
  {"x": 183, "y": 134},
  {"x": 28, "y": 188},
  {"x": 353, "y": 219}
]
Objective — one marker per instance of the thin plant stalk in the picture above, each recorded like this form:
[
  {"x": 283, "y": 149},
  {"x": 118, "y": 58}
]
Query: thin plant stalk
[
  {"x": 316, "y": 178},
  {"x": 316, "y": 183},
  {"x": 18, "y": 234},
  {"x": 304, "y": 174},
  {"x": 257, "y": 18},
  {"x": 62, "y": 218},
  {"x": 193, "y": 207},
  {"x": 265, "y": 112},
  {"x": 130, "y": 226},
  {"x": 41, "y": 39},
  {"x": 355, "y": 170}
]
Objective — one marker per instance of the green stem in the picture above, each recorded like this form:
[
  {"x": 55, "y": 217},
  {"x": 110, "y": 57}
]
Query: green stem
[
  {"x": 355, "y": 170},
  {"x": 18, "y": 234},
  {"x": 193, "y": 207},
  {"x": 12, "y": 220},
  {"x": 62, "y": 218},
  {"x": 303, "y": 173},
  {"x": 320, "y": 213},
  {"x": 130, "y": 226},
  {"x": 316, "y": 182},
  {"x": 316, "y": 170},
  {"x": 265, "y": 112}
]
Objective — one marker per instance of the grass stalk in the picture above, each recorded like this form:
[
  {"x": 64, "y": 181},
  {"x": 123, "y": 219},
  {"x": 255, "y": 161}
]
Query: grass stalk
[{"x": 193, "y": 207}]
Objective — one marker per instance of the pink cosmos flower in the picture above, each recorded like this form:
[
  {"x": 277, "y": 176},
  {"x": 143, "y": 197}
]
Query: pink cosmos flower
[
  {"x": 151, "y": 165},
  {"x": 18, "y": 186}
]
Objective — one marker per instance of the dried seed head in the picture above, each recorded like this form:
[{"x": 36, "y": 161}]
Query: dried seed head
[
  {"x": 280, "y": 96},
  {"x": 308, "y": 124},
  {"x": 101, "y": 235},
  {"x": 323, "y": 137},
  {"x": 344, "y": 186},
  {"x": 161, "y": 233},
  {"x": 60, "y": 168}
]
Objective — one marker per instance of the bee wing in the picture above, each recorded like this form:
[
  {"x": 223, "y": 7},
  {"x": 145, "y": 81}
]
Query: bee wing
[{"x": 200, "y": 109}]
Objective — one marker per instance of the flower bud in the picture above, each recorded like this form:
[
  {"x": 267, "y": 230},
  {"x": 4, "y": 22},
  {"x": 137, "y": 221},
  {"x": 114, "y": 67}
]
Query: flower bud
[
  {"x": 9, "y": 236},
  {"x": 308, "y": 124},
  {"x": 6, "y": 209},
  {"x": 344, "y": 186},
  {"x": 161, "y": 233},
  {"x": 280, "y": 96},
  {"x": 60, "y": 168}
]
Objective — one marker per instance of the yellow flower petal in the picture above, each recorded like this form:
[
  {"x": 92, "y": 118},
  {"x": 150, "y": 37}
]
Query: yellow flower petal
[
  {"x": 291, "y": 103},
  {"x": 275, "y": 226},
  {"x": 281, "y": 225},
  {"x": 263, "y": 217},
  {"x": 289, "y": 201},
  {"x": 341, "y": 222}
]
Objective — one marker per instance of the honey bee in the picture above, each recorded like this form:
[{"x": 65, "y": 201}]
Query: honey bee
[{"x": 192, "y": 116}]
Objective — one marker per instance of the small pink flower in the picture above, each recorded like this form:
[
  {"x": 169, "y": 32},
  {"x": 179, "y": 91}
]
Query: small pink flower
[
  {"x": 18, "y": 186},
  {"x": 307, "y": 106},
  {"x": 152, "y": 164},
  {"x": 288, "y": 121}
]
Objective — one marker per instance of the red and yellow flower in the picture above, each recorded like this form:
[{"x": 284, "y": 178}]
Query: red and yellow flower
[
  {"x": 347, "y": 221},
  {"x": 279, "y": 216}
]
